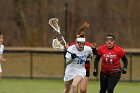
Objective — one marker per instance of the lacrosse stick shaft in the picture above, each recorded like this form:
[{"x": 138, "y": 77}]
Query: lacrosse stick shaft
[{"x": 63, "y": 40}]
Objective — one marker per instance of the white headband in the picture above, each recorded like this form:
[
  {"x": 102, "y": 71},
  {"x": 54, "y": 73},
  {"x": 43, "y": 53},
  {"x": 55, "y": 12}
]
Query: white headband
[
  {"x": 109, "y": 37},
  {"x": 82, "y": 40}
]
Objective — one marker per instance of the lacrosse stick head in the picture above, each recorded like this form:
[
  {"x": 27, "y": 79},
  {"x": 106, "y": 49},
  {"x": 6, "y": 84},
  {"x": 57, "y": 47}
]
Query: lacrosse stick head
[
  {"x": 57, "y": 45},
  {"x": 53, "y": 22}
]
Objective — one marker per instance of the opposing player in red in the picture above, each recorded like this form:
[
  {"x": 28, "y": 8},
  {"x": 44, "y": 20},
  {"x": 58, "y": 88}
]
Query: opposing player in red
[{"x": 110, "y": 67}]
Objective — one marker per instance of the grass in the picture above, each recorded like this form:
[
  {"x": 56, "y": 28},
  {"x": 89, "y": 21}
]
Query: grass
[{"x": 56, "y": 86}]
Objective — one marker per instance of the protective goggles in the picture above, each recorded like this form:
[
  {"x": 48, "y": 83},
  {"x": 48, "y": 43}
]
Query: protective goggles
[{"x": 109, "y": 39}]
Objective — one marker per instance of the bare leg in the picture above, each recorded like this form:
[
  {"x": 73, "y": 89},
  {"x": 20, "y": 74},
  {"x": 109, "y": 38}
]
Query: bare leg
[
  {"x": 75, "y": 83},
  {"x": 0, "y": 76},
  {"x": 0, "y": 79},
  {"x": 67, "y": 85},
  {"x": 83, "y": 87}
]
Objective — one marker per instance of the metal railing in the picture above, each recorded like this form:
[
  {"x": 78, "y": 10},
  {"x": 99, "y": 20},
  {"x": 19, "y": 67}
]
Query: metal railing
[{"x": 31, "y": 51}]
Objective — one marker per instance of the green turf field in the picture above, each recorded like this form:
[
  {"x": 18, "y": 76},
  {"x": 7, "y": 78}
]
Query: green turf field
[{"x": 56, "y": 86}]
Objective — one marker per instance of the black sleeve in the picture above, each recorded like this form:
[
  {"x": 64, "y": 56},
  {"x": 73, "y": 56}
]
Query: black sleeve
[
  {"x": 94, "y": 50},
  {"x": 96, "y": 61},
  {"x": 125, "y": 61},
  {"x": 65, "y": 51}
]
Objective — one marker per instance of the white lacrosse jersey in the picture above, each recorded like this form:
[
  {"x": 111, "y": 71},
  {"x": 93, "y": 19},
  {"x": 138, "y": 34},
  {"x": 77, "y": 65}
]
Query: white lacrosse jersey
[
  {"x": 1, "y": 52},
  {"x": 77, "y": 67}
]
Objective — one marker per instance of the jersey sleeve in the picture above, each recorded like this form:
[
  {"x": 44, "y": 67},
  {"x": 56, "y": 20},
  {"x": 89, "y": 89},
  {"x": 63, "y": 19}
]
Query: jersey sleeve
[
  {"x": 72, "y": 43},
  {"x": 99, "y": 51},
  {"x": 88, "y": 44},
  {"x": 1, "y": 49},
  {"x": 68, "y": 55},
  {"x": 90, "y": 52}
]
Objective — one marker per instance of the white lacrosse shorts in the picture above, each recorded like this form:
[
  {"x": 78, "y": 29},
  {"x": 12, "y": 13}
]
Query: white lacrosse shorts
[{"x": 71, "y": 72}]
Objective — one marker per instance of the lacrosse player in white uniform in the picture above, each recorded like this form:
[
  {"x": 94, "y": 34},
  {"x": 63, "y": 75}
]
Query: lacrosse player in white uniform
[
  {"x": 75, "y": 71},
  {"x": 1, "y": 52}
]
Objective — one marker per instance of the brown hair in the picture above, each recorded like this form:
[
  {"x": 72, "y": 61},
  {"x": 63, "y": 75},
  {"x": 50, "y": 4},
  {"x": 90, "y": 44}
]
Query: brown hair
[
  {"x": 82, "y": 29},
  {"x": 82, "y": 35}
]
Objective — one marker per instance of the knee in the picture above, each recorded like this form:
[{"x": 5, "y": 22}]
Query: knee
[
  {"x": 83, "y": 90},
  {"x": 66, "y": 90},
  {"x": 74, "y": 85}
]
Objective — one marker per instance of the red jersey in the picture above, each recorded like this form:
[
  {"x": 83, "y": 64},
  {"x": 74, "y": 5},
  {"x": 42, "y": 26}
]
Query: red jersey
[
  {"x": 87, "y": 44},
  {"x": 110, "y": 58}
]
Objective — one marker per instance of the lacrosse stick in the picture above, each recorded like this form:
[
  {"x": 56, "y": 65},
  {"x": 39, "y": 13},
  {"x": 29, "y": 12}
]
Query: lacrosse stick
[
  {"x": 56, "y": 44},
  {"x": 53, "y": 22}
]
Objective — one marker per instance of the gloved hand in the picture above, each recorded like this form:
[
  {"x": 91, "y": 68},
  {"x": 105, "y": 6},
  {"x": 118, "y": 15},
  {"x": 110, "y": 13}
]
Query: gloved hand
[
  {"x": 124, "y": 70},
  {"x": 87, "y": 65},
  {"x": 95, "y": 72},
  {"x": 73, "y": 55}
]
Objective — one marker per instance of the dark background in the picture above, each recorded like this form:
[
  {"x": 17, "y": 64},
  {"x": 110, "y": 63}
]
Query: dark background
[{"x": 25, "y": 22}]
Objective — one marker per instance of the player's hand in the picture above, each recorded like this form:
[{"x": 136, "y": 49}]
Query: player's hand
[
  {"x": 95, "y": 72},
  {"x": 87, "y": 65},
  {"x": 124, "y": 70},
  {"x": 93, "y": 45},
  {"x": 73, "y": 56}
]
